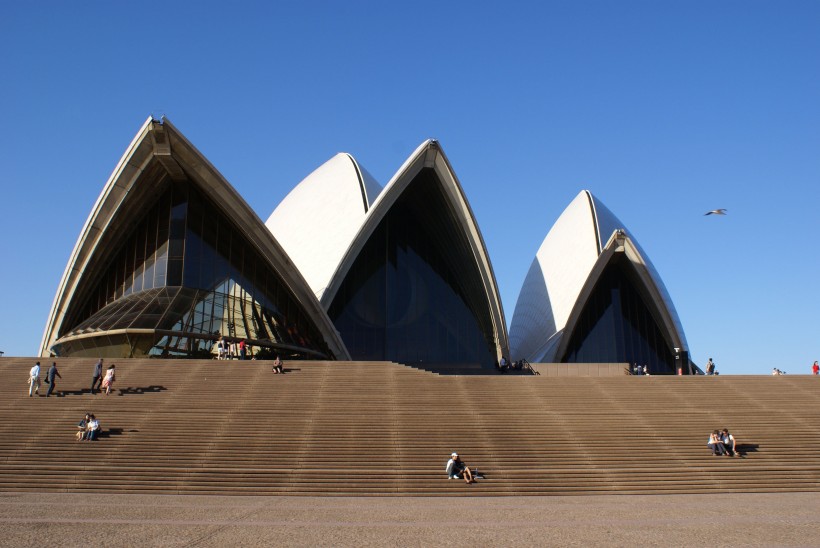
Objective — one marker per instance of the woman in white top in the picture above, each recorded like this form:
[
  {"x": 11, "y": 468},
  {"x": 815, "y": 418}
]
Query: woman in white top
[
  {"x": 93, "y": 429},
  {"x": 108, "y": 381}
]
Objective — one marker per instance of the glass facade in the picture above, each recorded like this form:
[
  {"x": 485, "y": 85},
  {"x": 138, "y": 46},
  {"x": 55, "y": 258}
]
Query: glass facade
[
  {"x": 414, "y": 293},
  {"x": 616, "y": 325},
  {"x": 187, "y": 275}
]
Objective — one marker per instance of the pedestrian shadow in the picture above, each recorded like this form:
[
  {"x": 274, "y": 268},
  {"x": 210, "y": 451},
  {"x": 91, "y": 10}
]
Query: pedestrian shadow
[
  {"x": 64, "y": 393},
  {"x": 131, "y": 390},
  {"x": 122, "y": 391},
  {"x": 743, "y": 448},
  {"x": 107, "y": 433}
]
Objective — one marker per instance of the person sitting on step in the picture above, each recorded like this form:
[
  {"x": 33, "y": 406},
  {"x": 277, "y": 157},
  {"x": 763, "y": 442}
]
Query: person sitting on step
[
  {"x": 277, "y": 365},
  {"x": 715, "y": 444},
  {"x": 82, "y": 426},
  {"x": 92, "y": 428},
  {"x": 729, "y": 443},
  {"x": 457, "y": 469}
]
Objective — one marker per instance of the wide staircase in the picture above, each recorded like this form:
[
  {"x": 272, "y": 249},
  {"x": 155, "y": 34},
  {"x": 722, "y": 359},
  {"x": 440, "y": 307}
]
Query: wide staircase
[{"x": 339, "y": 428}]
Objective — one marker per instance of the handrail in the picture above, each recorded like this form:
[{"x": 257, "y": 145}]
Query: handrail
[{"x": 524, "y": 365}]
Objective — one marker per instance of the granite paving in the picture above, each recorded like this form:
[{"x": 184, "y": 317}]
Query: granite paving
[{"x": 767, "y": 519}]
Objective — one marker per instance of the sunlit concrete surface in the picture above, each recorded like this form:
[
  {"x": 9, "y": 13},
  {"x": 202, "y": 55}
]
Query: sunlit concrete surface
[{"x": 617, "y": 520}]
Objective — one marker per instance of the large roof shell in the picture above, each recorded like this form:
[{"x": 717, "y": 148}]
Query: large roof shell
[
  {"x": 428, "y": 155},
  {"x": 318, "y": 219},
  {"x": 572, "y": 250},
  {"x": 650, "y": 285},
  {"x": 160, "y": 142}
]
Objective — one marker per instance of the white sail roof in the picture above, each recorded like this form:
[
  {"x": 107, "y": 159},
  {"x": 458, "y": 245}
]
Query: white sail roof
[
  {"x": 318, "y": 219},
  {"x": 429, "y": 155},
  {"x": 560, "y": 271}
]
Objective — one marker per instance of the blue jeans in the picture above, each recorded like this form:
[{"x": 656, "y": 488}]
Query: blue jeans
[{"x": 717, "y": 448}]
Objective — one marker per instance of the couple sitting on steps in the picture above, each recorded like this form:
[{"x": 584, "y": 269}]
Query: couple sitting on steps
[{"x": 721, "y": 442}]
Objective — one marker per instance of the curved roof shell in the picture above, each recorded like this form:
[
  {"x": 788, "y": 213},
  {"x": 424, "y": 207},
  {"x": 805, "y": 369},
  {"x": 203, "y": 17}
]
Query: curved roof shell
[
  {"x": 318, "y": 219},
  {"x": 157, "y": 146},
  {"x": 649, "y": 285},
  {"x": 570, "y": 258},
  {"x": 429, "y": 155}
]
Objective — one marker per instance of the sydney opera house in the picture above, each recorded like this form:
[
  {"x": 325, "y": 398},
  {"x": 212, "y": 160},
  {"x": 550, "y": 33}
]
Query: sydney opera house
[{"x": 172, "y": 258}]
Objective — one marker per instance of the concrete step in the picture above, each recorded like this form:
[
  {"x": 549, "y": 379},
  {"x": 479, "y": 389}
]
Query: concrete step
[{"x": 334, "y": 428}]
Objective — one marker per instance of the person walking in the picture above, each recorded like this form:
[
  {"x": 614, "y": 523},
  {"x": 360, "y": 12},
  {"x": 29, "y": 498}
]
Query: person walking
[
  {"x": 242, "y": 350},
  {"x": 815, "y": 369},
  {"x": 109, "y": 379},
  {"x": 96, "y": 380},
  {"x": 34, "y": 380},
  {"x": 51, "y": 378}
]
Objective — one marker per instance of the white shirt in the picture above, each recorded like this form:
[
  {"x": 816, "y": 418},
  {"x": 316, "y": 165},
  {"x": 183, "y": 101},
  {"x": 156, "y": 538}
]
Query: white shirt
[
  {"x": 93, "y": 424},
  {"x": 35, "y": 371}
]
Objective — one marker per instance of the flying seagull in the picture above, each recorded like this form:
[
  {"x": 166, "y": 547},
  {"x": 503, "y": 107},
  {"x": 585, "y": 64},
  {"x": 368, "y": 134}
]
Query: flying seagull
[{"x": 716, "y": 212}]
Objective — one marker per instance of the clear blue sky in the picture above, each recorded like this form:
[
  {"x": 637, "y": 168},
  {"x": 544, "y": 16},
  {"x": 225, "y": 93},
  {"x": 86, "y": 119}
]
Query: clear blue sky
[{"x": 664, "y": 110}]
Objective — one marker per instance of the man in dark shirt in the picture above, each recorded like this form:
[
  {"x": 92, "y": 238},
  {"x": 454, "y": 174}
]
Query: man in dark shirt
[
  {"x": 97, "y": 378},
  {"x": 51, "y": 378}
]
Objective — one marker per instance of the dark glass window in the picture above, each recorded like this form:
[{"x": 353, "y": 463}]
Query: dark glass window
[
  {"x": 187, "y": 269},
  {"x": 414, "y": 294},
  {"x": 616, "y": 325}
]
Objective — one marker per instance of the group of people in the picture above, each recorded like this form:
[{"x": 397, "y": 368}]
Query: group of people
[
  {"x": 640, "y": 370},
  {"x": 722, "y": 443},
  {"x": 231, "y": 350},
  {"x": 505, "y": 365},
  {"x": 98, "y": 381},
  {"x": 815, "y": 369},
  {"x": 51, "y": 379},
  {"x": 710, "y": 369},
  {"x": 88, "y": 429}
]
